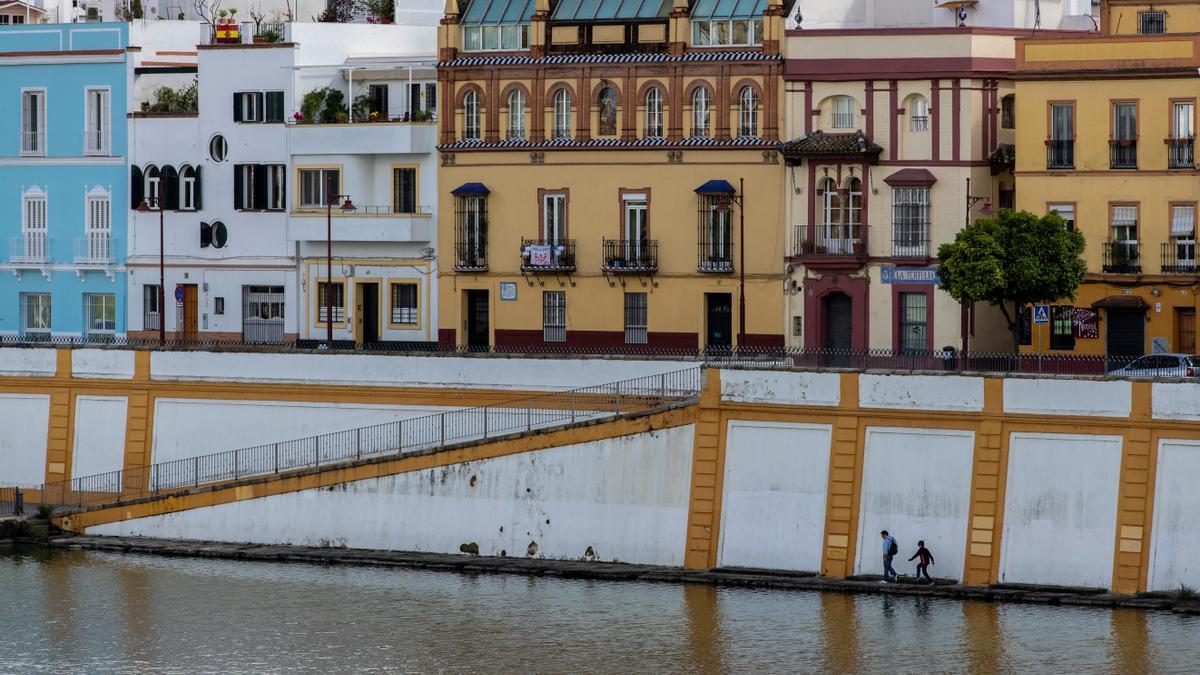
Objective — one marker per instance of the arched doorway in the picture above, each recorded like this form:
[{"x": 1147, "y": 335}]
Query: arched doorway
[{"x": 838, "y": 322}]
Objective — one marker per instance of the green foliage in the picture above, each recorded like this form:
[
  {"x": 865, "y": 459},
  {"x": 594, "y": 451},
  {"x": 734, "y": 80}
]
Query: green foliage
[
  {"x": 1016, "y": 257},
  {"x": 272, "y": 31},
  {"x": 323, "y": 106},
  {"x": 362, "y": 108},
  {"x": 183, "y": 100},
  {"x": 1185, "y": 592},
  {"x": 45, "y": 510}
]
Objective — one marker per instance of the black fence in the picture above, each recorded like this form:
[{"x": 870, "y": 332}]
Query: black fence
[
  {"x": 1122, "y": 155},
  {"x": 11, "y": 501},
  {"x": 1060, "y": 154}
]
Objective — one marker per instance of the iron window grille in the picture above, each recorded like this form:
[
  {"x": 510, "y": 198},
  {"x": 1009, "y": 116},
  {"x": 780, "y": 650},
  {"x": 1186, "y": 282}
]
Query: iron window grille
[
  {"x": 151, "y": 308},
  {"x": 263, "y": 314},
  {"x": 471, "y": 230},
  {"x": 636, "y": 319},
  {"x": 715, "y": 234},
  {"x": 554, "y": 316},
  {"x": 1152, "y": 22},
  {"x": 914, "y": 318},
  {"x": 910, "y": 222},
  {"x": 404, "y": 303},
  {"x": 339, "y": 302},
  {"x": 100, "y": 314}
]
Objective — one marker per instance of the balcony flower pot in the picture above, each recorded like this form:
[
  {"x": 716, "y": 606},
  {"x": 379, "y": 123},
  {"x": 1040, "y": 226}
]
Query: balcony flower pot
[
  {"x": 806, "y": 247},
  {"x": 858, "y": 248}
]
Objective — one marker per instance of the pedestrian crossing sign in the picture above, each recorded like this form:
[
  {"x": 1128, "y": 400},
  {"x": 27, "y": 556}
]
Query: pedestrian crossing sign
[{"x": 1041, "y": 314}]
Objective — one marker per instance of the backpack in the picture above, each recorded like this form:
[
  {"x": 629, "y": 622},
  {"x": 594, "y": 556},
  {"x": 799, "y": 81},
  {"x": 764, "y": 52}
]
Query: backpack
[{"x": 893, "y": 548}]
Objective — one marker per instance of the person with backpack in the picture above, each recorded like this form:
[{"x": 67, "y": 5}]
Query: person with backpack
[
  {"x": 925, "y": 560},
  {"x": 890, "y": 549}
]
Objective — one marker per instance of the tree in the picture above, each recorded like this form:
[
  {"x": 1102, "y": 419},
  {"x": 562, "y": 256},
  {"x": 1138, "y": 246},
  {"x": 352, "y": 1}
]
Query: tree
[{"x": 1016, "y": 258}]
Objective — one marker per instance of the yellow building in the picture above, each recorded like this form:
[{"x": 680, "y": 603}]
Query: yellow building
[
  {"x": 1105, "y": 137},
  {"x": 609, "y": 174}
]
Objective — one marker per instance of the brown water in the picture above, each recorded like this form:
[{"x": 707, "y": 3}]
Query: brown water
[{"x": 74, "y": 612}]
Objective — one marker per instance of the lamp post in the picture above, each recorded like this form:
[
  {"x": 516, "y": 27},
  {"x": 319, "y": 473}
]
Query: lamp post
[
  {"x": 347, "y": 205},
  {"x": 146, "y": 207},
  {"x": 739, "y": 200}
]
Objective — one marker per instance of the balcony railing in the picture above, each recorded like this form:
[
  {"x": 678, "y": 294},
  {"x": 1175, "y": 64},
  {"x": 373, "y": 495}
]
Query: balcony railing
[
  {"x": 1122, "y": 154},
  {"x": 1181, "y": 153},
  {"x": 470, "y": 256},
  {"x": 96, "y": 143},
  {"x": 29, "y": 249},
  {"x": 1179, "y": 257},
  {"x": 834, "y": 240},
  {"x": 368, "y": 210},
  {"x": 630, "y": 255},
  {"x": 715, "y": 256},
  {"x": 843, "y": 120},
  {"x": 920, "y": 123},
  {"x": 33, "y": 143},
  {"x": 1060, "y": 154},
  {"x": 548, "y": 255},
  {"x": 94, "y": 249},
  {"x": 911, "y": 246},
  {"x": 1122, "y": 257}
]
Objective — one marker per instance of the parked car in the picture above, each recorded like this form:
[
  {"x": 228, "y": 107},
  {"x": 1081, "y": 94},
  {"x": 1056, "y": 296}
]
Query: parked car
[{"x": 1160, "y": 365}]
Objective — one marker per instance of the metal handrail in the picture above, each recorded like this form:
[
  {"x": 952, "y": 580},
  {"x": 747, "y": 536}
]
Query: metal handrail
[{"x": 637, "y": 395}]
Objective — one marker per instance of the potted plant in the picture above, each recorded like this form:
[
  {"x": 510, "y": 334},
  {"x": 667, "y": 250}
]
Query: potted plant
[
  {"x": 806, "y": 247},
  {"x": 858, "y": 248}
]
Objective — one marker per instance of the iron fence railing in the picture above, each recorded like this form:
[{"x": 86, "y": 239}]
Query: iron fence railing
[
  {"x": 1060, "y": 154},
  {"x": 1178, "y": 256},
  {"x": 1122, "y": 257},
  {"x": 548, "y": 255},
  {"x": 10, "y": 501},
  {"x": 1122, "y": 154},
  {"x": 638, "y": 395},
  {"x": 630, "y": 255},
  {"x": 1181, "y": 153},
  {"x": 831, "y": 240}
]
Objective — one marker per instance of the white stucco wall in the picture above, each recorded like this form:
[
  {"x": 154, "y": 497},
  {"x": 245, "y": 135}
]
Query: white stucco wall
[
  {"x": 1175, "y": 401},
  {"x": 625, "y": 498},
  {"x": 923, "y": 392},
  {"x": 780, "y": 387},
  {"x": 99, "y": 435},
  {"x": 24, "y": 425},
  {"x": 1060, "y": 509},
  {"x": 22, "y": 362},
  {"x": 916, "y": 484},
  {"x": 1175, "y": 532},
  {"x": 1068, "y": 397},
  {"x": 109, "y": 364},
  {"x": 773, "y": 495}
]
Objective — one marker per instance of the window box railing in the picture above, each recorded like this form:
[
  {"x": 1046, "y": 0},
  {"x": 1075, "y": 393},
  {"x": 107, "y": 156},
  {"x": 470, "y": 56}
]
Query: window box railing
[
  {"x": 29, "y": 249},
  {"x": 33, "y": 144},
  {"x": 1060, "y": 154},
  {"x": 1179, "y": 256},
  {"x": 94, "y": 249},
  {"x": 630, "y": 255},
  {"x": 715, "y": 257},
  {"x": 838, "y": 240},
  {"x": 1122, "y": 154},
  {"x": 470, "y": 256},
  {"x": 548, "y": 255},
  {"x": 911, "y": 246},
  {"x": 1122, "y": 257},
  {"x": 843, "y": 120},
  {"x": 1181, "y": 153}
]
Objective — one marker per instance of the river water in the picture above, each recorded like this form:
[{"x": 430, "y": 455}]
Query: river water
[{"x": 79, "y": 612}]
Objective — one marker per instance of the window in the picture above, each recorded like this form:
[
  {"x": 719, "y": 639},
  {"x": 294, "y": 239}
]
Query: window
[
  {"x": 33, "y": 123},
  {"x": 187, "y": 188},
  {"x": 97, "y": 242},
  {"x": 1124, "y": 224},
  {"x": 1121, "y": 252},
  {"x": 274, "y": 106},
  {"x": 918, "y": 120},
  {"x": 1183, "y": 237},
  {"x": 747, "y": 112},
  {"x": 35, "y": 315},
  {"x": 153, "y": 192},
  {"x": 248, "y": 106},
  {"x": 218, "y": 305},
  {"x": 338, "y": 298},
  {"x": 259, "y": 187},
  {"x": 276, "y": 187},
  {"x": 516, "y": 114},
  {"x": 404, "y": 303},
  {"x": 1124, "y": 144},
  {"x": 635, "y": 319},
  {"x": 151, "y": 312},
  {"x": 319, "y": 187},
  {"x": 431, "y": 97},
  {"x": 608, "y": 112},
  {"x": 701, "y": 102},
  {"x": 471, "y": 115},
  {"x": 554, "y": 316},
  {"x": 1061, "y": 148},
  {"x": 377, "y": 101},
  {"x": 1062, "y": 327},
  {"x": 1152, "y": 22},
  {"x": 562, "y": 114},
  {"x": 404, "y": 190},
  {"x": 910, "y": 222},
  {"x": 262, "y": 314},
  {"x": 914, "y": 318},
  {"x": 1181, "y": 147},
  {"x": 96, "y": 130},
  {"x": 843, "y": 112},
  {"x": 715, "y": 235},
  {"x": 831, "y": 208},
  {"x": 654, "y": 113},
  {"x": 218, "y": 149},
  {"x": 726, "y": 32},
  {"x": 554, "y": 217},
  {"x": 1008, "y": 112},
  {"x": 1064, "y": 211},
  {"x": 471, "y": 233},
  {"x": 505, "y": 37},
  {"x": 100, "y": 314},
  {"x": 33, "y": 243}
]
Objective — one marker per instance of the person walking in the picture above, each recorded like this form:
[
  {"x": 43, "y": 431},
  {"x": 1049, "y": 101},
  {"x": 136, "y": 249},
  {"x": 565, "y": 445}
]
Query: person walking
[
  {"x": 890, "y": 549},
  {"x": 924, "y": 559}
]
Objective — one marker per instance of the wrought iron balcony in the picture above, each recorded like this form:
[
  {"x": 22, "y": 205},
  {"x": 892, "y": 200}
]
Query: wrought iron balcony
[
  {"x": 914, "y": 245},
  {"x": 470, "y": 256},
  {"x": 715, "y": 256},
  {"x": 1122, "y": 154},
  {"x": 29, "y": 249},
  {"x": 1122, "y": 257},
  {"x": 635, "y": 256},
  {"x": 831, "y": 240},
  {"x": 1181, "y": 153},
  {"x": 1179, "y": 256},
  {"x": 1060, "y": 154},
  {"x": 548, "y": 255},
  {"x": 95, "y": 249}
]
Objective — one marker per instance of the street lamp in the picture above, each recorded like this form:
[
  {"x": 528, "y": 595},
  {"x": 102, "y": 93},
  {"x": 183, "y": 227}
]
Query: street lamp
[
  {"x": 346, "y": 206},
  {"x": 145, "y": 207},
  {"x": 723, "y": 206},
  {"x": 972, "y": 200}
]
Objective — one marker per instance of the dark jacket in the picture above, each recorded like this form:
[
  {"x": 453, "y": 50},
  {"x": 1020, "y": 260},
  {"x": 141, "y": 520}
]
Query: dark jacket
[{"x": 926, "y": 556}]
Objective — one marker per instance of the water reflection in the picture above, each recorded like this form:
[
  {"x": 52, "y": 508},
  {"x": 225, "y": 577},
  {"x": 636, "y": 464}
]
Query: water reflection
[{"x": 79, "y": 612}]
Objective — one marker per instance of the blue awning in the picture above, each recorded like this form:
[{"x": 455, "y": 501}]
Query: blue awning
[
  {"x": 610, "y": 10},
  {"x": 716, "y": 187},
  {"x": 470, "y": 189},
  {"x": 495, "y": 12}
]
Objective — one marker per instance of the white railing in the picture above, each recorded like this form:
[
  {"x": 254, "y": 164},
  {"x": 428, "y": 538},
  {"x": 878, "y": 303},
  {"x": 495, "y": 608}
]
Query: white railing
[
  {"x": 95, "y": 141},
  {"x": 33, "y": 143},
  {"x": 94, "y": 249},
  {"x": 29, "y": 249}
]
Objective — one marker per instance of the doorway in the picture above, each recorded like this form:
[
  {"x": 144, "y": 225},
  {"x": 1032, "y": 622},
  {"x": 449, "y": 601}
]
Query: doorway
[
  {"x": 718, "y": 321},
  {"x": 839, "y": 333},
  {"x": 366, "y": 313},
  {"x": 1185, "y": 331},
  {"x": 477, "y": 320},
  {"x": 1125, "y": 336},
  {"x": 190, "y": 311}
]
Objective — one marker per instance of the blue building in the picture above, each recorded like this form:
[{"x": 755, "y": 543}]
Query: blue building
[{"x": 63, "y": 180}]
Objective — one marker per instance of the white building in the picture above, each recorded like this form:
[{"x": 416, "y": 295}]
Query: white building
[{"x": 869, "y": 14}]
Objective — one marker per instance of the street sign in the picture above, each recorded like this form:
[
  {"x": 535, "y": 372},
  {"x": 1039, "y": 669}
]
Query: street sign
[
  {"x": 179, "y": 294},
  {"x": 909, "y": 275},
  {"x": 1041, "y": 313}
]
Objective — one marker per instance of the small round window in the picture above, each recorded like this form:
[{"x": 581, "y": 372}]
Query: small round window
[{"x": 218, "y": 148}]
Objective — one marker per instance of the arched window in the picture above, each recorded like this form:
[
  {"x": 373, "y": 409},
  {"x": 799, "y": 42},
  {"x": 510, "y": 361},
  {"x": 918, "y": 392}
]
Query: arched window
[
  {"x": 654, "y": 113},
  {"x": 516, "y": 114},
  {"x": 843, "y": 112},
  {"x": 471, "y": 115},
  {"x": 187, "y": 188},
  {"x": 608, "y": 112},
  {"x": 701, "y": 102},
  {"x": 562, "y": 114},
  {"x": 748, "y": 112},
  {"x": 918, "y": 114},
  {"x": 152, "y": 193},
  {"x": 1008, "y": 112}
]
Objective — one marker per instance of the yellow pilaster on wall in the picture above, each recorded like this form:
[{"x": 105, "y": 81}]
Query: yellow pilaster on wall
[
  {"x": 707, "y": 469},
  {"x": 1134, "y": 500},
  {"x": 987, "y": 478},
  {"x": 58, "y": 441},
  {"x": 845, "y": 481}
]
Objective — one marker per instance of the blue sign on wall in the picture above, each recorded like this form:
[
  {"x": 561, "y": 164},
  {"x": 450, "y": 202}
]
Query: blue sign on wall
[{"x": 910, "y": 275}]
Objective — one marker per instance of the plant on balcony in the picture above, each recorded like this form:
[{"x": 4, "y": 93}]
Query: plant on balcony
[
  {"x": 1013, "y": 260},
  {"x": 323, "y": 106},
  {"x": 362, "y": 108},
  {"x": 858, "y": 248},
  {"x": 422, "y": 116},
  {"x": 185, "y": 99},
  {"x": 339, "y": 11},
  {"x": 806, "y": 247},
  {"x": 382, "y": 11},
  {"x": 615, "y": 261}
]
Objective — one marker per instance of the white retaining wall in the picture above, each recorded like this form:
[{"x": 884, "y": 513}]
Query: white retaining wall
[
  {"x": 27, "y": 362},
  {"x": 1175, "y": 534},
  {"x": 625, "y": 498},
  {"x": 781, "y": 387},
  {"x": 923, "y": 392},
  {"x": 1043, "y": 396},
  {"x": 24, "y": 426}
]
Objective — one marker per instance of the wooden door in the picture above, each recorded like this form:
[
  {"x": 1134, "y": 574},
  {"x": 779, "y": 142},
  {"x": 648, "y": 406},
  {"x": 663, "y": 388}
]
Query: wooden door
[
  {"x": 1185, "y": 331},
  {"x": 191, "y": 309}
]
